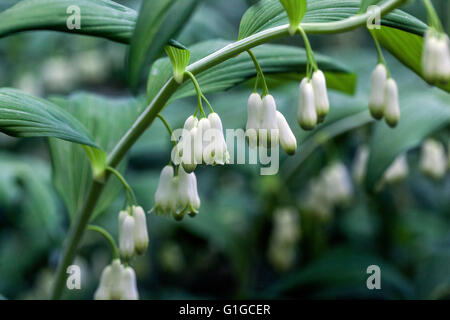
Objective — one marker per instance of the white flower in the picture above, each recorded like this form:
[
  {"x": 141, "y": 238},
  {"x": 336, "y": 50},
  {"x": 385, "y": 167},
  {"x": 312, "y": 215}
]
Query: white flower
[
  {"x": 187, "y": 195},
  {"x": 200, "y": 142},
  {"x": 320, "y": 94},
  {"x": 397, "y": 171},
  {"x": 126, "y": 236},
  {"x": 216, "y": 151},
  {"x": 128, "y": 285},
  {"x": 186, "y": 145},
  {"x": 378, "y": 81},
  {"x": 436, "y": 57},
  {"x": 360, "y": 164},
  {"x": 433, "y": 160},
  {"x": 140, "y": 230},
  {"x": 190, "y": 123},
  {"x": 165, "y": 191},
  {"x": 391, "y": 105},
  {"x": 268, "y": 130},
  {"x": 254, "y": 111},
  {"x": 110, "y": 282},
  {"x": 287, "y": 139},
  {"x": 307, "y": 115}
]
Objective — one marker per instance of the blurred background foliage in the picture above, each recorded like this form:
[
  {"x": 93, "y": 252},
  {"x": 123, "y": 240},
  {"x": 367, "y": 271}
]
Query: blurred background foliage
[{"x": 256, "y": 236}]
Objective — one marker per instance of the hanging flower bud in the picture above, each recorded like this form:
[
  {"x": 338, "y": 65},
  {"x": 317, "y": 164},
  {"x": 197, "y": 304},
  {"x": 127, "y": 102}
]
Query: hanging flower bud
[
  {"x": 200, "y": 143},
  {"x": 307, "y": 115},
  {"x": 126, "y": 236},
  {"x": 436, "y": 57},
  {"x": 378, "y": 83},
  {"x": 104, "y": 287},
  {"x": 164, "y": 193},
  {"x": 195, "y": 200},
  {"x": 188, "y": 155},
  {"x": 128, "y": 285},
  {"x": 320, "y": 95},
  {"x": 190, "y": 123},
  {"x": 109, "y": 287},
  {"x": 287, "y": 138},
  {"x": 391, "y": 105},
  {"x": 433, "y": 161},
  {"x": 217, "y": 147},
  {"x": 268, "y": 130},
  {"x": 254, "y": 110},
  {"x": 140, "y": 230}
]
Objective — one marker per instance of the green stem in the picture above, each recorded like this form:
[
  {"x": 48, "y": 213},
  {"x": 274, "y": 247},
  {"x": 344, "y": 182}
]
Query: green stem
[
  {"x": 160, "y": 100},
  {"x": 108, "y": 237},
  {"x": 379, "y": 52},
  {"x": 167, "y": 125},
  {"x": 309, "y": 53},
  {"x": 259, "y": 72},
  {"x": 125, "y": 184},
  {"x": 199, "y": 92},
  {"x": 433, "y": 18}
]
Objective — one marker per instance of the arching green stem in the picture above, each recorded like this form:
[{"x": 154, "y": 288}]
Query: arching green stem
[
  {"x": 130, "y": 193},
  {"x": 260, "y": 73},
  {"x": 114, "y": 250},
  {"x": 312, "y": 65},
  {"x": 167, "y": 125},
  {"x": 379, "y": 52},
  {"x": 199, "y": 92}
]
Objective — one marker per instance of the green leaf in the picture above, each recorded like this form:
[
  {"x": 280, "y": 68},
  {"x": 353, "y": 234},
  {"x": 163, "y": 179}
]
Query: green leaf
[
  {"x": 101, "y": 18},
  {"x": 274, "y": 60},
  {"x": 295, "y": 10},
  {"x": 23, "y": 115},
  {"x": 158, "y": 22},
  {"x": 107, "y": 120},
  {"x": 421, "y": 115}
]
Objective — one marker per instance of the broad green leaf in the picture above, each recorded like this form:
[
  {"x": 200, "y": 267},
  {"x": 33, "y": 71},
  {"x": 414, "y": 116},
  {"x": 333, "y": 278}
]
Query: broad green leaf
[
  {"x": 107, "y": 120},
  {"x": 295, "y": 10},
  {"x": 274, "y": 60},
  {"x": 101, "y": 18},
  {"x": 23, "y": 115},
  {"x": 158, "y": 22},
  {"x": 421, "y": 115}
]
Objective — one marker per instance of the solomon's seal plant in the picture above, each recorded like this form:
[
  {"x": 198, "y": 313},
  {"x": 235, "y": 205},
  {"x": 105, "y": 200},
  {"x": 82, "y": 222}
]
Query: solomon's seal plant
[{"x": 201, "y": 69}]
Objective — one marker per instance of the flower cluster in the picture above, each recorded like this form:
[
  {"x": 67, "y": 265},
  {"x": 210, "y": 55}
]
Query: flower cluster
[
  {"x": 383, "y": 101},
  {"x": 313, "y": 103},
  {"x": 202, "y": 142},
  {"x": 266, "y": 125},
  {"x": 133, "y": 236},
  {"x": 436, "y": 57},
  {"x": 177, "y": 194},
  {"x": 117, "y": 282},
  {"x": 433, "y": 161}
]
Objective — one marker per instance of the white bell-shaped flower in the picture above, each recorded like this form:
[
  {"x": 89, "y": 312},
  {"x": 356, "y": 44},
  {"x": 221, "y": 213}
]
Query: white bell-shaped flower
[
  {"x": 140, "y": 230},
  {"x": 359, "y": 168},
  {"x": 200, "y": 142},
  {"x": 109, "y": 286},
  {"x": 103, "y": 291},
  {"x": 190, "y": 123},
  {"x": 254, "y": 111},
  {"x": 320, "y": 95},
  {"x": 217, "y": 151},
  {"x": 377, "y": 91},
  {"x": 268, "y": 130},
  {"x": 391, "y": 104},
  {"x": 195, "y": 200},
  {"x": 126, "y": 236},
  {"x": 338, "y": 184},
  {"x": 188, "y": 200},
  {"x": 128, "y": 285},
  {"x": 433, "y": 161},
  {"x": 287, "y": 139},
  {"x": 307, "y": 114},
  {"x": 436, "y": 57},
  {"x": 164, "y": 192},
  {"x": 188, "y": 156}
]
